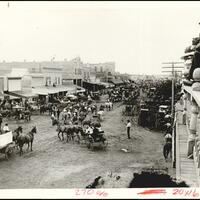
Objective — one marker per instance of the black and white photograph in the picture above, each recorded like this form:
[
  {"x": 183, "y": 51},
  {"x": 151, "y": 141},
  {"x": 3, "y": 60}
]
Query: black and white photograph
[{"x": 98, "y": 95}]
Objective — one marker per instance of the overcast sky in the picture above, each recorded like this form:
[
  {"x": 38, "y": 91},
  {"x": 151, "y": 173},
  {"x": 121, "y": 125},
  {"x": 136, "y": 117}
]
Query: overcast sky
[{"x": 138, "y": 36}]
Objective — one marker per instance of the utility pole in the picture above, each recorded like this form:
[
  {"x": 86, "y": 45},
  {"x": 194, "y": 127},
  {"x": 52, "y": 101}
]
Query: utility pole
[{"x": 172, "y": 67}]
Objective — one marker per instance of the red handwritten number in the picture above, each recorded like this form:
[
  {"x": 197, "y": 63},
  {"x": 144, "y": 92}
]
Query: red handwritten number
[
  {"x": 102, "y": 193},
  {"x": 77, "y": 192},
  {"x": 195, "y": 194},
  {"x": 185, "y": 192},
  {"x": 84, "y": 191},
  {"x": 89, "y": 192},
  {"x": 175, "y": 191},
  {"x": 105, "y": 194},
  {"x": 188, "y": 193}
]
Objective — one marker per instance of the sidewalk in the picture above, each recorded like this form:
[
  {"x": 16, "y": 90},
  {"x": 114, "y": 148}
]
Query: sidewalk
[{"x": 185, "y": 169}]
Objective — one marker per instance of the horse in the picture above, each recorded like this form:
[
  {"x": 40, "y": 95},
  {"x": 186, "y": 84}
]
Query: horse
[
  {"x": 26, "y": 139},
  {"x": 86, "y": 122},
  {"x": 43, "y": 109},
  {"x": 81, "y": 118},
  {"x": 69, "y": 130},
  {"x": 167, "y": 149},
  {"x": 61, "y": 129},
  {"x": 110, "y": 105},
  {"x": 107, "y": 105},
  {"x": 73, "y": 131},
  {"x": 78, "y": 129},
  {"x": 100, "y": 115},
  {"x": 54, "y": 121},
  {"x": 16, "y": 134},
  {"x": 27, "y": 115}
]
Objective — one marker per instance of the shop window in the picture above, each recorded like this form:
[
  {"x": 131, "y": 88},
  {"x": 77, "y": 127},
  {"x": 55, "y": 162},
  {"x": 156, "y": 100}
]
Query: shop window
[{"x": 48, "y": 80}]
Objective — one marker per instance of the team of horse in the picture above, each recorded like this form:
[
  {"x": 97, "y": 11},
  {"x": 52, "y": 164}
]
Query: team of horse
[
  {"x": 21, "y": 138},
  {"x": 70, "y": 132}
]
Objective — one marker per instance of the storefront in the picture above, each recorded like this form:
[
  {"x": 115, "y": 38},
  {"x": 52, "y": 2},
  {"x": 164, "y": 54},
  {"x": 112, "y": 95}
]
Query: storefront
[
  {"x": 117, "y": 82},
  {"x": 48, "y": 93},
  {"x": 93, "y": 86}
]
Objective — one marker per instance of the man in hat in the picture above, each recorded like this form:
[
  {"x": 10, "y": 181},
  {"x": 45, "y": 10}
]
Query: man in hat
[{"x": 6, "y": 128}]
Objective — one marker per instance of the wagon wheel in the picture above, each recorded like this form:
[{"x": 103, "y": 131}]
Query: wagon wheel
[
  {"x": 88, "y": 144},
  {"x": 92, "y": 146},
  {"x": 9, "y": 151},
  {"x": 105, "y": 144}
]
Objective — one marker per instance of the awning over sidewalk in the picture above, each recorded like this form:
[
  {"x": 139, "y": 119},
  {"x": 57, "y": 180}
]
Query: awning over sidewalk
[
  {"x": 117, "y": 82},
  {"x": 80, "y": 89},
  {"x": 21, "y": 94},
  {"x": 45, "y": 90},
  {"x": 93, "y": 86},
  {"x": 107, "y": 85}
]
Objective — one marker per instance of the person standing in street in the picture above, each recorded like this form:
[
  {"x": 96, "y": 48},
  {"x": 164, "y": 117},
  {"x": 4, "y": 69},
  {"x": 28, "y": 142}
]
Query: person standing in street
[
  {"x": 6, "y": 128},
  {"x": 58, "y": 113},
  {"x": 128, "y": 128}
]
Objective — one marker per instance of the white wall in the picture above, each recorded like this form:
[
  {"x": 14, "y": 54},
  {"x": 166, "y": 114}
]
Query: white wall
[
  {"x": 37, "y": 81},
  {"x": 14, "y": 84},
  {"x": 1, "y": 84}
]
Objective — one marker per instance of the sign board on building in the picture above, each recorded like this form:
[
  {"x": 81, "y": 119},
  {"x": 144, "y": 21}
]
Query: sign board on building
[{"x": 67, "y": 82}]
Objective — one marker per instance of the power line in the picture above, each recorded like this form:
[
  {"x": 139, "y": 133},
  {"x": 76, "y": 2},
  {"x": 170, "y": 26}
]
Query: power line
[
  {"x": 173, "y": 62},
  {"x": 174, "y": 67}
]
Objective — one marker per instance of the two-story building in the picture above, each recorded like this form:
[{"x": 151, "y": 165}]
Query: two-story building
[
  {"x": 102, "y": 71},
  {"x": 13, "y": 85},
  {"x": 73, "y": 72}
]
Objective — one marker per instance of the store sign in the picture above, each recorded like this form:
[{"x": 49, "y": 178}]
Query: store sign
[{"x": 67, "y": 82}]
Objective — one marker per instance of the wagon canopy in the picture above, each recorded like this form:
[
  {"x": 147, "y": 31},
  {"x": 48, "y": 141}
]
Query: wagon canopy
[{"x": 5, "y": 139}]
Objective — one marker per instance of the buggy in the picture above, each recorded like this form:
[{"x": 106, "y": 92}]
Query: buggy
[
  {"x": 96, "y": 96},
  {"x": 128, "y": 110},
  {"x": 6, "y": 144},
  {"x": 99, "y": 142}
]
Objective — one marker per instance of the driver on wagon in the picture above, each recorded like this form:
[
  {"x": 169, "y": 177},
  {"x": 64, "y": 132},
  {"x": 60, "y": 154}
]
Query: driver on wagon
[{"x": 6, "y": 128}]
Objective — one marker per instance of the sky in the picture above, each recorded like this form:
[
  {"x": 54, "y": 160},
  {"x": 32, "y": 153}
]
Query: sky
[{"x": 137, "y": 36}]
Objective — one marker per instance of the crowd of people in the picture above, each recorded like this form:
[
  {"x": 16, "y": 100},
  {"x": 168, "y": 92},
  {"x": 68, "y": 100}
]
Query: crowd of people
[
  {"x": 83, "y": 110},
  {"x": 158, "y": 103}
]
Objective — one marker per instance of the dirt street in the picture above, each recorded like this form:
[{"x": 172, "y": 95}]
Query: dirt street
[{"x": 54, "y": 164}]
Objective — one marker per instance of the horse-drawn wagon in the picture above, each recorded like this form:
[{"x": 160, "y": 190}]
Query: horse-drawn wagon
[
  {"x": 6, "y": 144},
  {"x": 96, "y": 96},
  {"x": 20, "y": 113},
  {"x": 128, "y": 110},
  {"x": 99, "y": 141}
]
